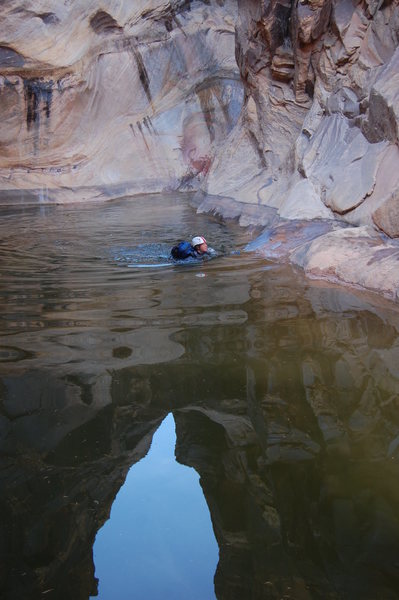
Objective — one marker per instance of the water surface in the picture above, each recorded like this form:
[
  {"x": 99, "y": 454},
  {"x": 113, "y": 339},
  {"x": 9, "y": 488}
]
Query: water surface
[
  {"x": 284, "y": 394},
  {"x": 159, "y": 525}
]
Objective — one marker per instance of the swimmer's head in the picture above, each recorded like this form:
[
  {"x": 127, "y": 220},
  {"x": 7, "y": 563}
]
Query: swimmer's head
[{"x": 199, "y": 243}]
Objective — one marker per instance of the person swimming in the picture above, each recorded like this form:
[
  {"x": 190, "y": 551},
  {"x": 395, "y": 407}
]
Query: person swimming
[{"x": 198, "y": 248}]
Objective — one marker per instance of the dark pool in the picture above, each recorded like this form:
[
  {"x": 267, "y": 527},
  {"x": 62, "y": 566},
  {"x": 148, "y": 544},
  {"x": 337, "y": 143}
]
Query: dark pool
[{"x": 217, "y": 429}]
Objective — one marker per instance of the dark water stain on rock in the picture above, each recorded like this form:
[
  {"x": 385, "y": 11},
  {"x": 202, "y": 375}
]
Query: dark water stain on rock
[
  {"x": 205, "y": 97},
  {"x": 169, "y": 24},
  {"x": 143, "y": 74},
  {"x": 146, "y": 124},
  {"x": 142, "y": 133},
  {"x": 37, "y": 92},
  {"x": 145, "y": 81},
  {"x": 10, "y": 58},
  {"x": 150, "y": 125}
]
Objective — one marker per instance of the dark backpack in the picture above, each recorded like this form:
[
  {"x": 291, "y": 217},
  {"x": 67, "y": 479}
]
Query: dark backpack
[{"x": 182, "y": 250}]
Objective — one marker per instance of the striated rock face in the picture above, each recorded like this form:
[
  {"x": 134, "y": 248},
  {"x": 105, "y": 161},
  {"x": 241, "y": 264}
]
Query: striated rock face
[
  {"x": 321, "y": 106},
  {"x": 319, "y": 126},
  {"x": 286, "y": 105},
  {"x": 96, "y": 103}
]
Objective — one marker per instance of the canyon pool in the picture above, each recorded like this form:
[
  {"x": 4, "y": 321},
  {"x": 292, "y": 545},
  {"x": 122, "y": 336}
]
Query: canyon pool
[{"x": 214, "y": 429}]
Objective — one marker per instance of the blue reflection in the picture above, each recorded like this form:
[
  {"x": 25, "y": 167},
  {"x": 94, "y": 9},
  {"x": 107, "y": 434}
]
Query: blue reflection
[{"x": 158, "y": 542}]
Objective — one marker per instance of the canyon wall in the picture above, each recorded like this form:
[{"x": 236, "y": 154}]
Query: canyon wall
[
  {"x": 318, "y": 136},
  {"x": 320, "y": 122},
  {"x": 99, "y": 102},
  {"x": 271, "y": 110}
]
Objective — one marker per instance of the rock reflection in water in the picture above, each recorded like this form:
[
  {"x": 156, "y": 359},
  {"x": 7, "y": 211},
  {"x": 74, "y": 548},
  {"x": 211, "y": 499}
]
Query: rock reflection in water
[
  {"x": 285, "y": 396},
  {"x": 159, "y": 541}
]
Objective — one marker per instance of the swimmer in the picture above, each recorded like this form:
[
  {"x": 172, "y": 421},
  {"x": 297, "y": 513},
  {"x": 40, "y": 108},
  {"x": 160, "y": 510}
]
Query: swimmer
[{"x": 198, "y": 248}]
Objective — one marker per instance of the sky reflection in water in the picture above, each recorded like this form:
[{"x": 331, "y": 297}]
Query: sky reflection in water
[{"x": 158, "y": 543}]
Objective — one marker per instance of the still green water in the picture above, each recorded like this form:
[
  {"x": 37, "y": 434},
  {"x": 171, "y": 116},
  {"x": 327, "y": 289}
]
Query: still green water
[{"x": 277, "y": 395}]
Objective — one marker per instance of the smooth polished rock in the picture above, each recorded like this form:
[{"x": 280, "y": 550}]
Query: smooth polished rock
[
  {"x": 387, "y": 182},
  {"x": 386, "y": 217},
  {"x": 123, "y": 100},
  {"x": 356, "y": 257},
  {"x": 285, "y": 237},
  {"x": 235, "y": 165},
  {"x": 303, "y": 202},
  {"x": 342, "y": 164}
]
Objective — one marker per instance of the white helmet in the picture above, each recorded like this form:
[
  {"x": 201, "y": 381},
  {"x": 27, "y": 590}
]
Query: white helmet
[{"x": 198, "y": 240}]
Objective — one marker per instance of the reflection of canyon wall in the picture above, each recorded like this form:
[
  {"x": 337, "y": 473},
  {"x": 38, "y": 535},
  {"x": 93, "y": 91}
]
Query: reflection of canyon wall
[
  {"x": 100, "y": 102},
  {"x": 298, "y": 473},
  {"x": 53, "y": 504},
  {"x": 297, "y": 453}
]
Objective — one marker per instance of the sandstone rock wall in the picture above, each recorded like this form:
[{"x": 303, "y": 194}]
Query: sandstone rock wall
[
  {"x": 279, "y": 105},
  {"x": 97, "y": 102},
  {"x": 319, "y": 130},
  {"x": 320, "y": 122},
  {"x": 101, "y": 102}
]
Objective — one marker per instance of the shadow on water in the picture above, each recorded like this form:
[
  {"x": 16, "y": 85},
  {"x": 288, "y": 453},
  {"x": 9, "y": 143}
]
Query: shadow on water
[{"x": 285, "y": 396}]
